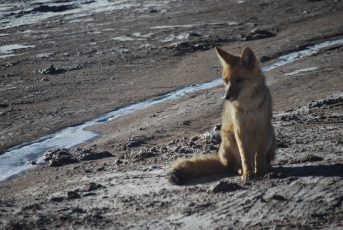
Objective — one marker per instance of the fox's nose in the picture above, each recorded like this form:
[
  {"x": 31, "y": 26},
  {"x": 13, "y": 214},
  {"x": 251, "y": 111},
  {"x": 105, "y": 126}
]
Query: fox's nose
[{"x": 230, "y": 95}]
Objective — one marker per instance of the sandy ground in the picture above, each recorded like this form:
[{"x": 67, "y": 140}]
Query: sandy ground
[{"x": 102, "y": 63}]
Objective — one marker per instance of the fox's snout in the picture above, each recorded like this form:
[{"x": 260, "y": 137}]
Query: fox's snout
[{"x": 231, "y": 94}]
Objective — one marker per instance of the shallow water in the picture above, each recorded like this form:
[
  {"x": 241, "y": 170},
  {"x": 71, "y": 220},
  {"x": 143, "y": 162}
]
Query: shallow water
[
  {"x": 17, "y": 159},
  {"x": 301, "y": 70},
  {"x": 7, "y": 50},
  {"x": 296, "y": 55}
]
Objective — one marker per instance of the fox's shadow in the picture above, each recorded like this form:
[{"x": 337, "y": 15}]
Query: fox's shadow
[
  {"x": 330, "y": 170},
  {"x": 208, "y": 179}
]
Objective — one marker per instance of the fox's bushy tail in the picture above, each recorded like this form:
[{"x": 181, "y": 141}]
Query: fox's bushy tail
[{"x": 183, "y": 170}]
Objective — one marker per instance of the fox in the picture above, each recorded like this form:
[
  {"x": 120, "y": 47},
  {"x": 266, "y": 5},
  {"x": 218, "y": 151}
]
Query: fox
[{"x": 248, "y": 142}]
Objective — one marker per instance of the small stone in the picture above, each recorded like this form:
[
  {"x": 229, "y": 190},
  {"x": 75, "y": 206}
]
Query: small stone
[
  {"x": 278, "y": 197},
  {"x": 93, "y": 186},
  {"x": 118, "y": 162},
  {"x": 56, "y": 199},
  {"x": 73, "y": 195},
  {"x": 52, "y": 70}
]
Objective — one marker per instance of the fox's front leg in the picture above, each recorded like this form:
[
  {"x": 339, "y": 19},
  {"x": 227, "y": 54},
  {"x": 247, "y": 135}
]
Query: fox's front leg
[
  {"x": 228, "y": 152},
  {"x": 247, "y": 156}
]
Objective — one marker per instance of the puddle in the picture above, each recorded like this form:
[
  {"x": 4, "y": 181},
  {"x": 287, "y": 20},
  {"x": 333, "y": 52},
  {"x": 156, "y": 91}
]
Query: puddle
[{"x": 15, "y": 160}]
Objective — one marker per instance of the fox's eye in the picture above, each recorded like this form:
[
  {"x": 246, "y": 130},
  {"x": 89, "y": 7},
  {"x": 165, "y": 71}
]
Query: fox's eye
[
  {"x": 226, "y": 81},
  {"x": 239, "y": 80}
]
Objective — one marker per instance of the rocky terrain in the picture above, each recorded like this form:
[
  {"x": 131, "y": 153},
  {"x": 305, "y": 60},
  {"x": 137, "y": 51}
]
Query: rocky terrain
[{"x": 79, "y": 60}]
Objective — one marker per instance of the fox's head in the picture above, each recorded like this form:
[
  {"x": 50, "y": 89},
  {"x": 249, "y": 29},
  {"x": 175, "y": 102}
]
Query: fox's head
[{"x": 238, "y": 72}]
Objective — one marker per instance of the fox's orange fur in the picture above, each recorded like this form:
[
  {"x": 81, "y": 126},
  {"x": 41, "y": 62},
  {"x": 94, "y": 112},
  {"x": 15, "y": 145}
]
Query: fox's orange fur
[{"x": 247, "y": 135}]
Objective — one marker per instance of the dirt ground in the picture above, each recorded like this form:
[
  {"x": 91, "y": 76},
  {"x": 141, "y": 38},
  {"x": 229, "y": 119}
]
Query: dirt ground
[{"x": 106, "y": 58}]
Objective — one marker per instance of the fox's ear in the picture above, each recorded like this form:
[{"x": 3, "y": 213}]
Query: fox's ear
[
  {"x": 248, "y": 58},
  {"x": 225, "y": 58}
]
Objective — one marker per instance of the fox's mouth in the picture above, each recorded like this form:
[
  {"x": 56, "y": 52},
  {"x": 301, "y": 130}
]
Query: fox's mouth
[{"x": 231, "y": 98}]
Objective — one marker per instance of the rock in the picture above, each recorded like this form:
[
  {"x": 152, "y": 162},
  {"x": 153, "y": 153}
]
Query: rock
[
  {"x": 192, "y": 46},
  {"x": 93, "y": 186},
  {"x": 32, "y": 162},
  {"x": 87, "y": 155},
  {"x": 57, "y": 199},
  {"x": 118, "y": 162},
  {"x": 327, "y": 101},
  {"x": 213, "y": 137},
  {"x": 265, "y": 59},
  {"x": 4, "y": 105},
  {"x": 153, "y": 11},
  {"x": 61, "y": 156},
  {"x": 33, "y": 207},
  {"x": 142, "y": 154},
  {"x": 217, "y": 127},
  {"x": 89, "y": 194},
  {"x": 46, "y": 8},
  {"x": 274, "y": 175},
  {"x": 73, "y": 195},
  {"x": 194, "y": 139},
  {"x": 184, "y": 123},
  {"x": 278, "y": 198},
  {"x": 52, "y": 70},
  {"x": 311, "y": 158},
  {"x": 257, "y": 34}
]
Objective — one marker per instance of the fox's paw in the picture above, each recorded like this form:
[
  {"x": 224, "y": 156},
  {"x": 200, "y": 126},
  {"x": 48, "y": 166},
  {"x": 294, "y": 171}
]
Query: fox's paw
[
  {"x": 177, "y": 177},
  {"x": 248, "y": 176}
]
